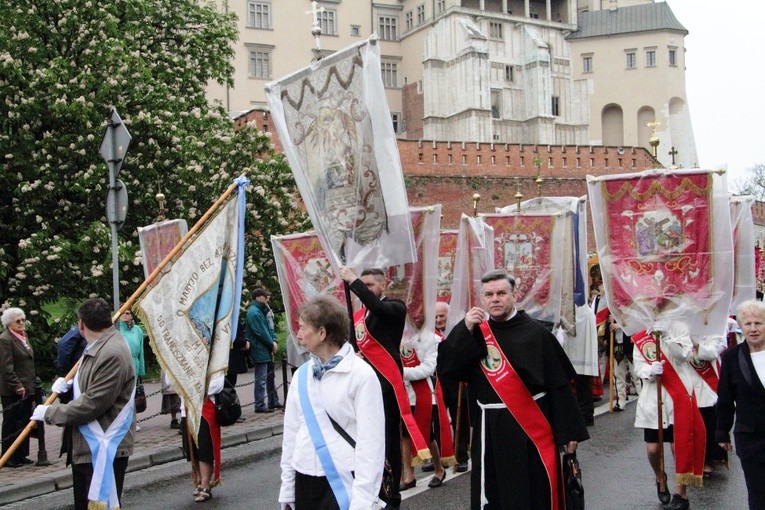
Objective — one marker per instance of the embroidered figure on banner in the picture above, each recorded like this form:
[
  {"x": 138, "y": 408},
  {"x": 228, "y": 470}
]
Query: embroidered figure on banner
[{"x": 658, "y": 234}]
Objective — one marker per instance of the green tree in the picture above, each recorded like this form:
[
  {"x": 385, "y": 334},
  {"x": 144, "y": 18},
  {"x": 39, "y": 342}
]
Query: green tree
[
  {"x": 753, "y": 184},
  {"x": 63, "y": 65}
]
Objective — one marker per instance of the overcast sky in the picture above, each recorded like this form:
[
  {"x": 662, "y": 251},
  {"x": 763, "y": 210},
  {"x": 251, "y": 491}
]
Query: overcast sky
[{"x": 725, "y": 81}]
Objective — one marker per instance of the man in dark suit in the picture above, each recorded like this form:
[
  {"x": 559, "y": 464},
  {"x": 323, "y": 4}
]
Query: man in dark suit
[{"x": 741, "y": 392}]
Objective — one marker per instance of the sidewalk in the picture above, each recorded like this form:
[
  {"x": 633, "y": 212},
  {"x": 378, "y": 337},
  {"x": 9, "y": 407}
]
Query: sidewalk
[{"x": 156, "y": 443}]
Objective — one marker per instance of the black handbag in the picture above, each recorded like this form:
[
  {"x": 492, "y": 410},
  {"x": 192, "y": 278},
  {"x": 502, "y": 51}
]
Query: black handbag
[
  {"x": 572, "y": 482},
  {"x": 227, "y": 406},
  {"x": 140, "y": 397}
]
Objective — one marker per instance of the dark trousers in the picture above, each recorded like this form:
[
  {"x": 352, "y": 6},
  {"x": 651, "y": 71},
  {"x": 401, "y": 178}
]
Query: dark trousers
[
  {"x": 313, "y": 493},
  {"x": 393, "y": 444},
  {"x": 273, "y": 396},
  {"x": 584, "y": 398},
  {"x": 451, "y": 399},
  {"x": 82, "y": 474},
  {"x": 754, "y": 474},
  {"x": 16, "y": 414}
]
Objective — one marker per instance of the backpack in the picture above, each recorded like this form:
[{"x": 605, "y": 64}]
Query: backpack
[{"x": 227, "y": 406}]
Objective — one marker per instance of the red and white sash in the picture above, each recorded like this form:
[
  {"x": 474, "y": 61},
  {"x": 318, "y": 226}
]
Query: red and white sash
[
  {"x": 516, "y": 397},
  {"x": 690, "y": 432},
  {"x": 386, "y": 365}
]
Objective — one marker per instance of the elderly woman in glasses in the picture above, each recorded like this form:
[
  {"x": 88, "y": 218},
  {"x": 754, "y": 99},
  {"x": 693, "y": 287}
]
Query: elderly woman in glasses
[{"x": 17, "y": 382}]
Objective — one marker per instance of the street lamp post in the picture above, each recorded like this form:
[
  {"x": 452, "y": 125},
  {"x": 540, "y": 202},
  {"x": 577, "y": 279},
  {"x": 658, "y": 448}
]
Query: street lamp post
[{"x": 114, "y": 146}]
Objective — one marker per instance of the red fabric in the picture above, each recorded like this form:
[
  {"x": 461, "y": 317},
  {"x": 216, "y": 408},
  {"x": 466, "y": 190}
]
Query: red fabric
[
  {"x": 514, "y": 394},
  {"x": 601, "y": 316},
  {"x": 208, "y": 413},
  {"x": 423, "y": 406},
  {"x": 446, "y": 439},
  {"x": 690, "y": 432},
  {"x": 386, "y": 365},
  {"x": 522, "y": 246},
  {"x": 659, "y": 226}
]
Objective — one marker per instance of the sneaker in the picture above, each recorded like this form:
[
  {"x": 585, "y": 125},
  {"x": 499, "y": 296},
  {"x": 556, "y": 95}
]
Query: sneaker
[
  {"x": 264, "y": 410},
  {"x": 276, "y": 406}
]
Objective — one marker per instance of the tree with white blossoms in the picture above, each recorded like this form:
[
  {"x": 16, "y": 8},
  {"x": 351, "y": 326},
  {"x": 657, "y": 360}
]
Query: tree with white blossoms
[{"x": 63, "y": 65}]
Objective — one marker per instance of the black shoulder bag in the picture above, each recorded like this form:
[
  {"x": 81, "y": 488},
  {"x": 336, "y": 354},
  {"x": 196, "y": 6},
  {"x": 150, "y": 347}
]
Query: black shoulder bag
[{"x": 227, "y": 406}]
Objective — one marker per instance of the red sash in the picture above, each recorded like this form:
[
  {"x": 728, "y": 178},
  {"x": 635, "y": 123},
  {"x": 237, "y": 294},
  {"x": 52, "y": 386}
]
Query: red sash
[
  {"x": 386, "y": 365},
  {"x": 707, "y": 372},
  {"x": 516, "y": 397},
  {"x": 601, "y": 316},
  {"x": 690, "y": 432}
]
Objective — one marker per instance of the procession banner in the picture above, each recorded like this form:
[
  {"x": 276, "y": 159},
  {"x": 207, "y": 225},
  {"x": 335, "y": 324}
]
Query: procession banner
[
  {"x": 474, "y": 257},
  {"x": 744, "y": 249},
  {"x": 304, "y": 272},
  {"x": 334, "y": 124},
  {"x": 547, "y": 254},
  {"x": 665, "y": 247},
  {"x": 157, "y": 240},
  {"x": 191, "y": 311},
  {"x": 414, "y": 283},
  {"x": 447, "y": 248}
]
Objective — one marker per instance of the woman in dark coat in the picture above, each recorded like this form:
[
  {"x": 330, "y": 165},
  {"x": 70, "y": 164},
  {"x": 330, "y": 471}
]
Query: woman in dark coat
[
  {"x": 17, "y": 383},
  {"x": 741, "y": 392}
]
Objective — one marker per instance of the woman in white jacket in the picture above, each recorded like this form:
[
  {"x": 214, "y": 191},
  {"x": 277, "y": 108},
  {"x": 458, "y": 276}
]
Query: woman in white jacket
[{"x": 332, "y": 453}]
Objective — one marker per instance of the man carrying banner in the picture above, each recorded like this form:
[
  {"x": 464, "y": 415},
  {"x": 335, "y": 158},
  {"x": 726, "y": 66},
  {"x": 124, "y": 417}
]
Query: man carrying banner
[
  {"x": 379, "y": 325},
  {"x": 519, "y": 374},
  {"x": 101, "y": 412}
]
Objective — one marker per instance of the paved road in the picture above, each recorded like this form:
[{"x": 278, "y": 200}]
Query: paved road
[{"x": 616, "y": 476}]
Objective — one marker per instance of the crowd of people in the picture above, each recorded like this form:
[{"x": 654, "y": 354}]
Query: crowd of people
[{"x": 497, "y": 390}]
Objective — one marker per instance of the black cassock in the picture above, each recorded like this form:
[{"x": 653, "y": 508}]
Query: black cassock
[{"x": 514, "y": 478}]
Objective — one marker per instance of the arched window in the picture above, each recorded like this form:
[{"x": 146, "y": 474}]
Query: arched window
[{"x": 612, "y": 122}]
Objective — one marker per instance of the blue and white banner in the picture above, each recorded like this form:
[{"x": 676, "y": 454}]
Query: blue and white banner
[{"x": 191, "y": 310}]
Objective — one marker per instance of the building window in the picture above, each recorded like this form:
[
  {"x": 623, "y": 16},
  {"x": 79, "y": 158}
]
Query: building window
[
  {"x": 509, "y": 74},
  {"x": 355, "y": 30},
  {"x": 396, "y": 118},
  {"x": 495, "y": 30},
  {"x": 420, "y": 14},
  {"x": 258, "y": 15},
  {"x": 327, "y": 22},
  {"x": 631, "y": 62},
  {"x": 556, "y": 106},
  {"x": 650, "y": 58},
  {"x": 673, "y": 58},
  {"x": 496, "y": 104},
  {"x": 409, "y": 20},
  {"x": 387, "y": 28},
  {"x": 578, "y": 162},
  {"x": 533, "y": 15},
  {"x": 587, "y": 64},
  {"x": 260, "y": 63},
  {"x": 389, "y": 74},
  {"x": 440, "y": 6}
]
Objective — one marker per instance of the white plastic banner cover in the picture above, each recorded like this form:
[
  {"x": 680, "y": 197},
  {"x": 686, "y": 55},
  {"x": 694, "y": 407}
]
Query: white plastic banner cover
[{"x": 744, "y": 284}]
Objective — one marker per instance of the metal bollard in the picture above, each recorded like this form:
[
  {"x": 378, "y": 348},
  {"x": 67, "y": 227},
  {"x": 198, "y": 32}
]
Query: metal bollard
[
  {"x": 284, "y": 379},
  {"x": 42, "y": 455}
]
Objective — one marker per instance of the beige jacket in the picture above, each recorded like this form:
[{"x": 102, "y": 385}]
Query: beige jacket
[{"x": 106, "y": 378}]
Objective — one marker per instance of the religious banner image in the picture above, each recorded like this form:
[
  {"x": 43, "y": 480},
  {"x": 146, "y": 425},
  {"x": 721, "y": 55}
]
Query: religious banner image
[
  {"x": 447, "y": 248},
  {"x": 191, "y": 311},
  {"x": 334, "y": 124},
  {"x": 304, "y": 272},
  {"x": 158, "y": 240},
  {"x": 665, "y": 247},
  {"x": 414, "y": 283},
  {"x": 474, "y": 257},
  {"x": 744, "y": 249}
]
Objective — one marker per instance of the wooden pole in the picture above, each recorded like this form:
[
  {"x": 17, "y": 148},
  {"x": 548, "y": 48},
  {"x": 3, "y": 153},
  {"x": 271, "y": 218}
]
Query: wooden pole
[
  {"x": 660, "y": 415},
  {"x": 611, "y": 378},
  {"x": 126, "y": 306},
  {"x": 458, "y": 427}
]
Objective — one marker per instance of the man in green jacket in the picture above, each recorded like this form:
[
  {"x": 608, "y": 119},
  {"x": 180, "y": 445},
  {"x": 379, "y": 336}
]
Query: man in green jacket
[{"x": 262, "y": 345}]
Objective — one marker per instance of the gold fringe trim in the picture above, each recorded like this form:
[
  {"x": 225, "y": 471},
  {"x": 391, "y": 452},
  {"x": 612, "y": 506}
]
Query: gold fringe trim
[
  {"x": 689, "y": 479},
  {"x": 449, "y": 461},
  {"x": 97, "y": 505},
  {"x": 422, "y": 455}
]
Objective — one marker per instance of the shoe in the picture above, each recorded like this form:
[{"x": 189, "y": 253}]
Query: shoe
[
  {"x": 203, "y": 495},
  {"x": 403, "y": 486},
  {"x": 264, "y": 410},
  {"x": 678, "y": 503},
  {"x": 27, "y": 460},
  {"x": 462, "y": 467},
  {"x": 174, "y": 424},
  {"x": 428, "y": 467},
  {"x": 13, "y": 464},
  {"x": 664, "y": 496},
  {"x": 436, "y": 481},
  {"x": 276, "y": 406},
  {"x": 618, "y": 408}
]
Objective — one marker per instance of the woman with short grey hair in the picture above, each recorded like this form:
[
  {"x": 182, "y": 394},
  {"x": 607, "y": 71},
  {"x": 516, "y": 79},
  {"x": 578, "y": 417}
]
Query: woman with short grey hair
[{"x": 17, "y": 380}]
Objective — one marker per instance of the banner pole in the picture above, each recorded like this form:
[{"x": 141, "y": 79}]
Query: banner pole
[
  {"x": 611, "y": 377},
  {"x": 126, "y": 306},
  {"x": 660, "y": 416}
]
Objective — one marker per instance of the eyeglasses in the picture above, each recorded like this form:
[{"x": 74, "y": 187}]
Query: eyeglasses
[{"x": 20, "y": 321}]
